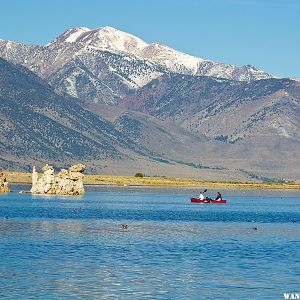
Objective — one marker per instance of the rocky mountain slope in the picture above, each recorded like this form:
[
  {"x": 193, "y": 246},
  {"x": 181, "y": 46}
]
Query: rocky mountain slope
[
  {"x": 128, "y": 105},
  {"x": 37, "y": 123},
  {"x": 105, "y": 64},
  {"x": 38, "y": 126},
  {"x": 219, "y": 107},
  {"x": 260, "y": 118},
  {"x": 111, "y": 39},
  {"x": 82, "y": 71}
]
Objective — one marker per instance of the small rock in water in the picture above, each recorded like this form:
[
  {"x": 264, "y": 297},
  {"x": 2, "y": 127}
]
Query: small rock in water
[{"x": 124, "y": 226}]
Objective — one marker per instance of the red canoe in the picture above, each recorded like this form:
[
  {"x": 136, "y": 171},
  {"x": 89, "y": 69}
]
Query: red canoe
[{"x": 208, "y": 201}]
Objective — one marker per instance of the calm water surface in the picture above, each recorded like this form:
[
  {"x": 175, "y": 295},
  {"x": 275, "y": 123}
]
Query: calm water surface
[{"x": 75, "y": 248}]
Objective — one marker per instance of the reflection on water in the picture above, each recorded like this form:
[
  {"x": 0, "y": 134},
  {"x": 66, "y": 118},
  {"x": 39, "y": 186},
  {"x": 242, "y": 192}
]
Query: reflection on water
[{"x": 65, "y": 247}]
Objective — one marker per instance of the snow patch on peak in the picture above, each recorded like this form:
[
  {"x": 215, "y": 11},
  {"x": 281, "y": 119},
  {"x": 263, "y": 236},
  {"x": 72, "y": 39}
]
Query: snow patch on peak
[
  {"x": 9, "y": 42},
  {"x": 70, "y": 36},
  {"x": 75, "y": 33},
  {"x": 103, "y": 38},
  {"x": 171, "y": 58},
  {"x": 116, "y": 40},
  {"x": 108, "y": 29},
  {"x": 249, "y": 72},
  {"x": 113, "y": 40},
  {"x": 74, "y": 29},
  {"x": 295, "y": 79}
]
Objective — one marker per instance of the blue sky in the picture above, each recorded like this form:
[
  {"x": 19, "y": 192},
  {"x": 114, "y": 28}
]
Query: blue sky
[{"x": 262, "y": 33}]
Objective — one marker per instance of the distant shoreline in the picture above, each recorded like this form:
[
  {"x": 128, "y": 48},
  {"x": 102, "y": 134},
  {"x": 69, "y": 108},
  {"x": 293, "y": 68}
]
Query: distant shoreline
[{"x": 163, "y": 182}]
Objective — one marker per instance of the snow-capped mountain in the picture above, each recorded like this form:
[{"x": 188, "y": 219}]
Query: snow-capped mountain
[
  {"x": 172, "y": 59},
  {"x": 111, "y": 39},
  {"x": 97, "y": 75},
  {"x": 177, "y": 104},
  {"x": 104, "y": 38},
  {"x": 105, "y": 64},
  {"x": 84, "y": 71}
]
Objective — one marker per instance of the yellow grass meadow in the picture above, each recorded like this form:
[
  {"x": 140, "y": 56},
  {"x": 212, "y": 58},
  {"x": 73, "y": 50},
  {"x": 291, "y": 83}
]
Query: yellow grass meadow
[{"x": 22, "y": 178}]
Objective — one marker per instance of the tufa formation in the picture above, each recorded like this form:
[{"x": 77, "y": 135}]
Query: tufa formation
[
  {"x": 66, "y": 182},
  {"x": 3, "y": 184}
]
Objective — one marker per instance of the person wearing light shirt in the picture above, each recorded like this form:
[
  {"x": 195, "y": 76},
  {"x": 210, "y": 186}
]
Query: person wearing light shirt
[{"x": 201, "y": 196}]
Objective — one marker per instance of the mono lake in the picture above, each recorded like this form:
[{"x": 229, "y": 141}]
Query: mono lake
[{"x": 76, "y": 247}]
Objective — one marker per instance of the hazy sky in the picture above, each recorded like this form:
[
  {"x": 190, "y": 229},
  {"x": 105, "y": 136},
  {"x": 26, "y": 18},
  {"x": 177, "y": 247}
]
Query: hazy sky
[{"x": 263, "y": 33}]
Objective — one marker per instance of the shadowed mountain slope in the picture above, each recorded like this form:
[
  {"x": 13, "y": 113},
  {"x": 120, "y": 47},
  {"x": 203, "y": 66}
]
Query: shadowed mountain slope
[
  {"x": 39, "y": 126},
  {"x": 260, "y": 119}
]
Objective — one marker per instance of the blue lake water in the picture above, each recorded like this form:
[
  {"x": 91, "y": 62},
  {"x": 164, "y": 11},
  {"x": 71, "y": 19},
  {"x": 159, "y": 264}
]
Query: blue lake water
[{"x": 75, "y": 247}]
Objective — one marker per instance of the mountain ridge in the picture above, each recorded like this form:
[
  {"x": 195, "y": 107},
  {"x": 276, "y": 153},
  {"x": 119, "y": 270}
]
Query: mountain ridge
[
  {"x": 152, "y": 117},
  {"x": 39, "y": 126},
  {"x": 111, "y": 63},
  {"x": 113, "y": 39}
]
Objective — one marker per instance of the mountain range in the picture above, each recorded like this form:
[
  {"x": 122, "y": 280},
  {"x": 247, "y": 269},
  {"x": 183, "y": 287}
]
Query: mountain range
[
  {"x": 105, "y": 64},
  {"x": 109, "y": 99}
]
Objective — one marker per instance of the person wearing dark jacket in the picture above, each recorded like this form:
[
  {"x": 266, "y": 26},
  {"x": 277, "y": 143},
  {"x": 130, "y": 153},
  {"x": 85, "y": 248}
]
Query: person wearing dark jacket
[{"x": 219, "y": 196}]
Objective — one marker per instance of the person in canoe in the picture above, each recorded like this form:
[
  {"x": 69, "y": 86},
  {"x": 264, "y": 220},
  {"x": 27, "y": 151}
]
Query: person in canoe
[
  {"x": 202, "y": 197},
  {"x": 219, "y": 196}
]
